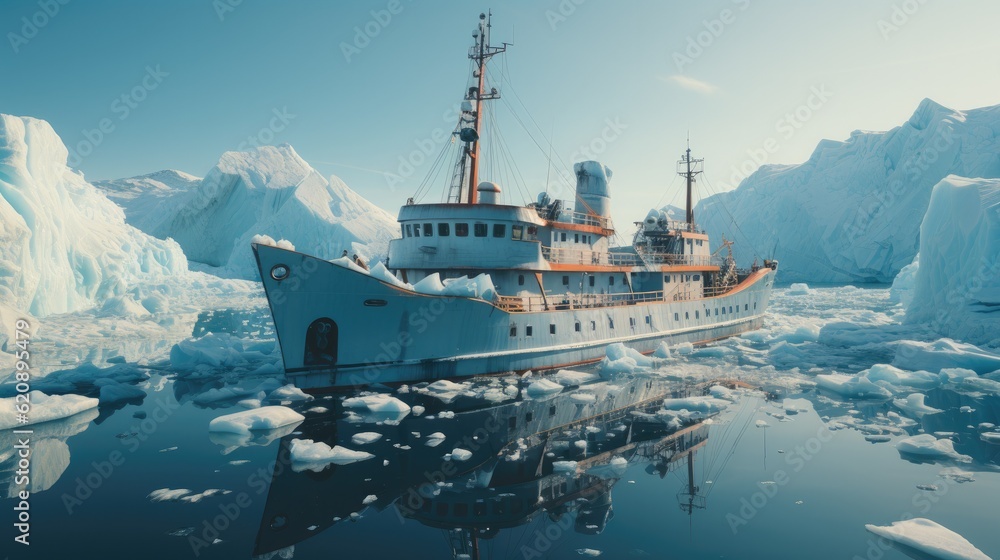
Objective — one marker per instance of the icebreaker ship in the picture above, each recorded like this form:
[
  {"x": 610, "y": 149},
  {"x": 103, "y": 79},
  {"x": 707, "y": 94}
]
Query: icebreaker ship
[{"x": 478, "y": 286}]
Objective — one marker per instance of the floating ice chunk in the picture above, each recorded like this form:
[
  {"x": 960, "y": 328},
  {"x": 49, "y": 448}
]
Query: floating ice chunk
[
  {"x": 852, "y": 386},
  {"x": 956, "y": 375},
  {"x": 568, "y": 377},
  {"x": 289, "y": 393},
  {"x": 43, "y": 408},
  {"x": 896, "y": 376},
  {"x": 591, "y": 552},
  {"x": 929, "y": 538},
  {"x": 183, "y": 495},
  {"x": 662, "y": 351},
  {"x": 720, "y": 392},
  {"x": 805, "y": 333},
  {"x": 264, "y": 418},
  {"x": 446, "y": 390},
  {"x": 915, "y": 404},
  {"x": 446, "y": 414},
  {"x": 318, "y": 409},
  {"x": 543, "y": 387},
  {"x": 434, "y": 440},
  {"x": 700, "y": 404},
  {"x": 957, "y": 474},
  {"x": 929, "y": 446},
  {"x": 981, "y": 384},
  {"x": 990, "y": 437},
  {"x": 762, "y": 424},
  {"x": 364, "y": 438},
  {"x": 799, "y": 289},
  {"x": 458, "y": 454},
  {"x": 307, "y": 454},
  {"x": 369, "y": 499},
  {"x": 564, "y": 466},
  {"x": 684, "y": 348},
  {"x": 622, "y": 359},
  {"x": 614, "y": 469},
  {"x": 944, "y": 353},
  {"x": 583, "y": 398},
  {"x": 377, "y": 403}
]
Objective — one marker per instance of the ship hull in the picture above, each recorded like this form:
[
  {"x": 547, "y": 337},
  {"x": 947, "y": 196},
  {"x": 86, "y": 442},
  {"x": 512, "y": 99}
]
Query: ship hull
[{"x": 338, "y": 327}]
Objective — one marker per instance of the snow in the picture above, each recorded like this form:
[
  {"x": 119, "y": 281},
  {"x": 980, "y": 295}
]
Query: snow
[
  {"x": 364, "y": 438},
  {"x": 957, "y": 285},
  {"x": 852, "y": 211},
  {"x": 264, "y": 418},
  {"x": 307, "y": 454},
  {"x": 944, "y": 353},
  {"x": 378, "y": 403},
  {"x": 928, "y": 446},
  {"x": 699, "y": 404},
  {"x": 914, "y": 404},
  {"x": 64, "y": 246},
  {"x": 896, "y": 376},
  {"x": 267, "y": 190},
  {"x": 930, "y": 538},
  {"x": 289, "y": 393},
  {"x": 853, "y": 386},
  {"x": 44, "y": 408}
]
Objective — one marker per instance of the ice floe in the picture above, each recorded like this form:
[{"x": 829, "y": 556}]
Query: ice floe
[{"x": 930, "y": 538}]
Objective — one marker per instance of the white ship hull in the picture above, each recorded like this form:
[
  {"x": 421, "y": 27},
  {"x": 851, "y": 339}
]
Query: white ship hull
[{"x": 338, "y": 327}]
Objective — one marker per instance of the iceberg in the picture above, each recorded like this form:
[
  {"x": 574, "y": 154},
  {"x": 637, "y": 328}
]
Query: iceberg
[
  {"x": 851, "y": 212},
  {"x": 856, "y": 386},
  {"x": 44, "y": 408},
  {"x": 307, "y": 454},
  {"x": 267, "y": 190},
  {"x": 926, "y": 445},
  {"x": 64, "y": 246},
  {"x": 914, "y": 404},
  {"x": 956, "y": 289},
  {"x": 944, "y": 354},
  {"x": 930, "y": 538}
]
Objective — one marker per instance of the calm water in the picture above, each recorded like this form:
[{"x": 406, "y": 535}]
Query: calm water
[
  {"x": 802, "y": 487},
  {"x": 794, "y": 489}
]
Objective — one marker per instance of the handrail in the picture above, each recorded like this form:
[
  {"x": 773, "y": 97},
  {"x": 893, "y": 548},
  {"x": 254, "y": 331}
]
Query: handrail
[
  {"x": 576, "y": 256},
  {"x": 583, "y": 218}
]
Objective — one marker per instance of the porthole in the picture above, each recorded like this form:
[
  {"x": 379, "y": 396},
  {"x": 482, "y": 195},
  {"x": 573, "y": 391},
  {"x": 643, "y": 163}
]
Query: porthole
[{"x": 279, "y": 272}]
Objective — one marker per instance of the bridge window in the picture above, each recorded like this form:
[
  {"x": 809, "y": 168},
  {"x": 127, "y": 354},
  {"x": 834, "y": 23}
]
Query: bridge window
[
  {"x": 416, "y": 230},
  {"x": 409, "y": 230},
  {"x": 480, "y": 230},
  {"x": 428, "y": 230},
  {"x": 517, "y": 233},
  {"x": 444, "y": 230},
  {"x": 499, "y": 230},
  {"x": 552, "y": 328},
  {"x": 563, "y": 236},
  {"x": 666, "y": 279},
  {"x": 576, "y": 238},
  {"x": 565, "y": 280},
  {"x": 528, "y": 330},
  {"x": 697, "y": 277},
  {"x": 462, "y": 230},
  {"x": 532, "y": 233}
]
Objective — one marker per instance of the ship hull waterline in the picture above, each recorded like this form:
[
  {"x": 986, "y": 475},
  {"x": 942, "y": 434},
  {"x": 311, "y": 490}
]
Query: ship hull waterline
[{"x": 374, "y": 332}]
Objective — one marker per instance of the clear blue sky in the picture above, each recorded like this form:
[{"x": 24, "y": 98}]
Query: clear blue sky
[{"x": 576, "y": 64}]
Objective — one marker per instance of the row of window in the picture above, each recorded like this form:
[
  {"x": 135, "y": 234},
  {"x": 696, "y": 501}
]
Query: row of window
[
  {"x": 697, "y": 242},
  {"x": 517, "y": 232},
  {"x": 682, "y": 278},
  {"x": 577, "y": 237},
  {"x": 529, "y": 330}
]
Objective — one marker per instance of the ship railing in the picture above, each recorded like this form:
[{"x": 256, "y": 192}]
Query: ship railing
[
  {"x": 571, "y": 217},
  {"x": 525, "y": 304},
  {"x": 560, "y": 255}
]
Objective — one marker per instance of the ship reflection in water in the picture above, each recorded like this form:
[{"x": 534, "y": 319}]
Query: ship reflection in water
[{"x": 558, "y": 457}]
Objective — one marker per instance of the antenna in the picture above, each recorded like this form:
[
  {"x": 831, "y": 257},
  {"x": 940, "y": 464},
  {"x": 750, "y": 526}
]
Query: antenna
[{"x": 689, "y": 168}]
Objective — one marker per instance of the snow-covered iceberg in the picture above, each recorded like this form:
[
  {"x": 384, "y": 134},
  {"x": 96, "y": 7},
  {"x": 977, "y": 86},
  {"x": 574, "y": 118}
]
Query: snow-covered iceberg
[
  {"x": 956, "y": 285},
  {"x": 852, "y": 211},
  {"x": 63, "y": 245},
  {"x": 268, "y": 190}
]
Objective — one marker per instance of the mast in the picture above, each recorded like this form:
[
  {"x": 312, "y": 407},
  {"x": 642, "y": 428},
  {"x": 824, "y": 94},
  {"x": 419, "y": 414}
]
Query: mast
[
  {"x": 688, "y": 168},
  {"x": 480, "y": 53}
]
